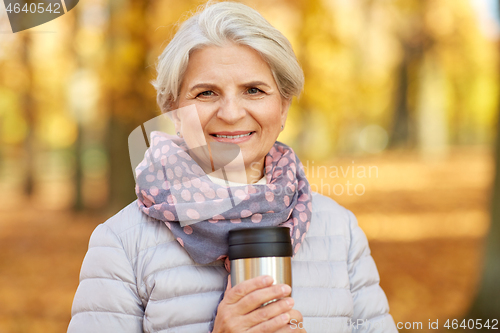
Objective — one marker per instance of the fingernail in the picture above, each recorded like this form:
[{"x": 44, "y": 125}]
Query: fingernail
[
  {"x": 286, "y": 289},
  {"x": 285, "y": 317},
  {"x": 289, "y": 301},
  {"x": 267, "y": 279}
]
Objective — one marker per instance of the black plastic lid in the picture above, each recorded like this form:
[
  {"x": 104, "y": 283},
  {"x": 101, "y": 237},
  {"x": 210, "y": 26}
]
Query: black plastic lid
[
  {"x": 260, "y": 250},
  {"x": 259, "y": 235}
]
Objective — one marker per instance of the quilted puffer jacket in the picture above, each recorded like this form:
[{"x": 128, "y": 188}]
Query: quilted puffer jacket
[{"x": 137, "y": 278}]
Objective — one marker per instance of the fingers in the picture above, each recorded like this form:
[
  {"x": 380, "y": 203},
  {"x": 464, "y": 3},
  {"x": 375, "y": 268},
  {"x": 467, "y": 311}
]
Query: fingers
[
  {"x": 272, "y": 325},
  {"x": 270, "y": 311},
  {"x": 242, "y": 289},
  {"x": 258, "y": 297},
  {"x": 295, "y": 325}
]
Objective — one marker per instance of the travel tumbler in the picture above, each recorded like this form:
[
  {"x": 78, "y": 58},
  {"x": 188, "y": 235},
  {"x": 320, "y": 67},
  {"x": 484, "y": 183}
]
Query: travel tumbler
[{"x": 261, "y": 251}]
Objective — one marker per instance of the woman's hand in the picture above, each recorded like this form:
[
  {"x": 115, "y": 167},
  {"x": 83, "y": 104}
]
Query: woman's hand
[
  {"x": 296, "y": 323},
  {"x": 240, "y": 310}
]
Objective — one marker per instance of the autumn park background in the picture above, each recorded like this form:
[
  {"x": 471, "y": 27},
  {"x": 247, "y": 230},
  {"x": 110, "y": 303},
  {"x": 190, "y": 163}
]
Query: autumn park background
[{"x": 405, "y": 88}]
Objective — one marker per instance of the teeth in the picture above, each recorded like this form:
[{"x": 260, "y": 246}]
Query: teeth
[{"x": 232, "y": 136}]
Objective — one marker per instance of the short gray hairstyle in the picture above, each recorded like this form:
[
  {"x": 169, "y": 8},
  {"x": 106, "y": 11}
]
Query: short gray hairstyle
[{"x": 219, "y": 24}]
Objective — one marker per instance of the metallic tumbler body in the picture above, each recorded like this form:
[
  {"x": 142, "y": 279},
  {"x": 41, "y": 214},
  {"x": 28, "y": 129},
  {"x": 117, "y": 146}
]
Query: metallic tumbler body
[{"x": 280, "y": 268}]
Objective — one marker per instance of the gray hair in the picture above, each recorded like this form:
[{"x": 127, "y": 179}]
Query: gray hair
[{"x": 219, "y": 24}]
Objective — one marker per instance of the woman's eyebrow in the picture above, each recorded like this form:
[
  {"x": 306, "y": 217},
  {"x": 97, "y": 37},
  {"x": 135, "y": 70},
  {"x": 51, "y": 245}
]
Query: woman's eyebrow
[
  {"x": 255, "y": 83},
  {"x": 212, "y": 86}
]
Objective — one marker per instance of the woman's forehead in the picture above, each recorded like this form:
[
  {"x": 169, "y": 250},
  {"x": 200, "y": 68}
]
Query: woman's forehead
[{"x": 232, "y": 62}]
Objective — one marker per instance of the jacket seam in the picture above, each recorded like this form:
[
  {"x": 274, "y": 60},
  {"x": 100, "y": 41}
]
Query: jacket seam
[
  {"x": 173, "y": 267},
  {"x": 108, "y": 312},
  {"x": 152, "y": 246},
  {"x": 191, "y": 324},
  {"x": 368, "y": 289},
  {"x": 332, "y": 288},
  {"x": 106, "y": 278},
  {"x": 192, "y": 294},
  {"x": 374, "y": 282}
]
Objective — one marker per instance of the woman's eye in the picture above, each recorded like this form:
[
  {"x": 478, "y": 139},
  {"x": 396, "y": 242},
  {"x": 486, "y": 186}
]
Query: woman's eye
[
  {"x": 253, "y": 91},
  {"x": 206, "y": 93}
]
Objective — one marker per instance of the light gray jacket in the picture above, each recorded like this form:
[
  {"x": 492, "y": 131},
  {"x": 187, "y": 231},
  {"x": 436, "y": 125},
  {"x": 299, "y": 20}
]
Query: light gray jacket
[{"x": 137, "y": 278}]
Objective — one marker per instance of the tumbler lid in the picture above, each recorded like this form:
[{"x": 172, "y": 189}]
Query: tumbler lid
[{"x": 259, "y": 235}]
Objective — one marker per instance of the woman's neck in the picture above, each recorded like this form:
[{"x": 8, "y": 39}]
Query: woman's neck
[{"x": 249, "y": 175}]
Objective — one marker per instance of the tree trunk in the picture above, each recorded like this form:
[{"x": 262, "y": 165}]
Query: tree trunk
[
  {"x": 29, "y": 114},
  {"x": 400, "y": 126},
  {"x": 130, "y": 103},
  {"x": 486, "y": 305}
]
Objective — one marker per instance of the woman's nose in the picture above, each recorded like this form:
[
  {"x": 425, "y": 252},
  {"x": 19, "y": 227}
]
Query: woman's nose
[{"x": 231, "y": 111}]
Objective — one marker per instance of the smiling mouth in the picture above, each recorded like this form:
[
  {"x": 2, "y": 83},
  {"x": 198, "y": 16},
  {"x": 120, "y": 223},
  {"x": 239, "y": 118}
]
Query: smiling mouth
[{"x": 231, "y": 136}]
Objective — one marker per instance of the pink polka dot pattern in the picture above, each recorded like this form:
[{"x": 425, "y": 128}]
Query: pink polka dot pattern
[
  {"x": 283, "y": 162},
  {"x": 172, "y": 159},
  {"x": 186, "y": 195},
  {"x": 256, "y": 218},
  {"x": 196, "y": 182},
  {"x": 245, "y": 213},
  {"x": 188, "y": 230},
  {"x": 186, "y": 182},
  {"x": 240, "y": 194},
  {"x": 303, "y": 217},
  {"x": 154, "y": 191},
  {"x": 210, "y": 194},
  {"x": 198, "y": 197},
  {"x": 192, "y": 214},
  {"x": 168, "y": 215},
  {"x": 172, "y": 187},
  {"x": 222, "y": 193}
]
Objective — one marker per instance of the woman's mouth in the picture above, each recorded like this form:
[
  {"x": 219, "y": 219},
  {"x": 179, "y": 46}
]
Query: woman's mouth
[{"x": 233, "y": 137}]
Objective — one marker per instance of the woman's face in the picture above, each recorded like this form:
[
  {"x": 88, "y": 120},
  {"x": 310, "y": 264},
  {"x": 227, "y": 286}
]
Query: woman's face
[{"x": 237, "y": 101}]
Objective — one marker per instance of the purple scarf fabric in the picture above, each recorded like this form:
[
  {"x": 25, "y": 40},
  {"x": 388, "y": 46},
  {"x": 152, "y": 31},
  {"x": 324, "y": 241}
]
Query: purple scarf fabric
[{"x": 173, "y": 188}]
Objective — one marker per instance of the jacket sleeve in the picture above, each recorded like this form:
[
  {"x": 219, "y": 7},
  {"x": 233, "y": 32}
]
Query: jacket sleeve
[
  {"x": 371, "y": 308},
  {"x": 106, "y": 300}
]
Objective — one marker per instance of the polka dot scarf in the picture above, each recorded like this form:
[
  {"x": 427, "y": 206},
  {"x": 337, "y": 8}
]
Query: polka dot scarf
[{"x": 173, "y": 188}]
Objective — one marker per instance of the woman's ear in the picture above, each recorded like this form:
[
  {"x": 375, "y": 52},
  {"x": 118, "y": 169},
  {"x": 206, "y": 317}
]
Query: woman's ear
[
  {"x": 170, "y": 109},
  {"x": 174, "y": 117},
  {"x": 285, "y": 105}
]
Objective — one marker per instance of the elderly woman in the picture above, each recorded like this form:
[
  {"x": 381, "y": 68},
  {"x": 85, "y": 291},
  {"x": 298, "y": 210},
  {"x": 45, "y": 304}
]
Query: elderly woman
[{"x": 226, "y": 79}]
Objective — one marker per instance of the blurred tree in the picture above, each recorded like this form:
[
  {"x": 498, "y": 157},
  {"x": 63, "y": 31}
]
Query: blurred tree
[
  {"x": 486, "y": 305},
  {"x": 130, "y": 97},
  {"x": 78, "y": 203},
  {"x": 414, "y": 43},
  {"x": 28, "y": 105}
]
